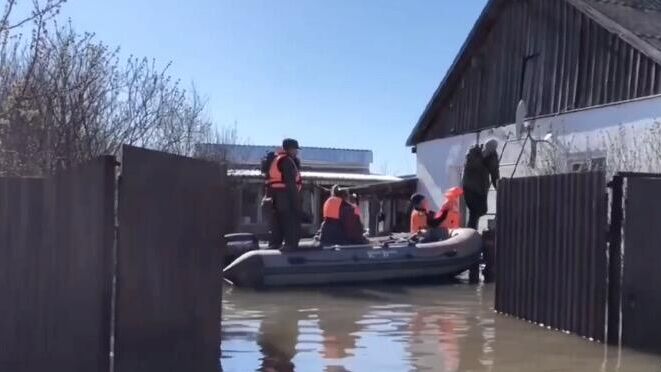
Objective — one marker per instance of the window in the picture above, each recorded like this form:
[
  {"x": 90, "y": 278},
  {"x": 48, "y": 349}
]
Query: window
[
  {"x": 593, "y": 165},
  {"x": 578, "y": 166}
]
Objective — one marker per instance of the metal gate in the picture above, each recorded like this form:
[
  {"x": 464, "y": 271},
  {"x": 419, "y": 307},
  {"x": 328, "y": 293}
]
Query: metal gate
[
  {"x": 551, "y": 261},
  {"x": 641, "y": 296}
]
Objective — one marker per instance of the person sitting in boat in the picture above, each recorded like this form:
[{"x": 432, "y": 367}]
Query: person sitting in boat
[
  {"x": 421, "y": 216},
  {"x": 355, "y": 203},
  {"x": 435, "y": 232},
  {"x": 341, "y": 225},
  {"x": 451, "y": 208}
]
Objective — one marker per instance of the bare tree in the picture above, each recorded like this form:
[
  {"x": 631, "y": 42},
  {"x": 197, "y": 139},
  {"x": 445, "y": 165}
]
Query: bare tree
[
  {"x": 41, "y": 11},
  {"x": 629, "y": 148},
  {"x": 66, "y": 98},
  {"x": 218, "y": 144}
]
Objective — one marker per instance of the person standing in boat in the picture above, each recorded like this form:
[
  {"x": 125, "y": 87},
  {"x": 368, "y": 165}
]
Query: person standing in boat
[
  {"x": 421, "y": 216},
  {"x": 341, "y": 225},
  {"x": 284, "y": 186}
]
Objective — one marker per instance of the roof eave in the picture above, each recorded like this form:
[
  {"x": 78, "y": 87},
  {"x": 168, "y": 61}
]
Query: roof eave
[
  {"x": 425, "y": 118},
  {"x": 609, "y": 24},
  {"x": 616, "y": 28}
]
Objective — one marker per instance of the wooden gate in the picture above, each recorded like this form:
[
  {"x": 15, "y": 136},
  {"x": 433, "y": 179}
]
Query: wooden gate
[{"x": 169, "y": 280}]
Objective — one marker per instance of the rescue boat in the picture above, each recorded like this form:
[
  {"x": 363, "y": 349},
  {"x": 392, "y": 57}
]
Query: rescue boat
[{"x": 378, "y": 261}]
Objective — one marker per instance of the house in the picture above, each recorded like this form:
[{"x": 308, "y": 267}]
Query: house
[
  {"x": 387, "y": 205},
  {"x": 321, "y": 169},
  {"x": 586, "y": 74}
]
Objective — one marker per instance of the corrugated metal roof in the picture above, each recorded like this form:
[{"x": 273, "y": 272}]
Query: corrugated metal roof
[
  {"x": 321, "y": 176},
  {"x": 310, "y": 156}
]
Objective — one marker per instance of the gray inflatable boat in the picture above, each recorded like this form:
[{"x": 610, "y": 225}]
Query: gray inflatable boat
[{"x": 342, "y": 264}]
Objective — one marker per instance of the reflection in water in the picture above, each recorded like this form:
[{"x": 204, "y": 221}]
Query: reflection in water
[
  {"x": 399, "y": 328},
  {"x": 277, "y": 339}
]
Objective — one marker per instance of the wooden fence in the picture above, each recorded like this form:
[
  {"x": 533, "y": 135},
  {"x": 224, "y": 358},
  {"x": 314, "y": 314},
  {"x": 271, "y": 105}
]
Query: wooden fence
[
  {"x": 56, "y": 238},
  {"x": 169, "y": 265},
  {"x": 59, "y": 254},
  {"x": 551, "y": 261}
]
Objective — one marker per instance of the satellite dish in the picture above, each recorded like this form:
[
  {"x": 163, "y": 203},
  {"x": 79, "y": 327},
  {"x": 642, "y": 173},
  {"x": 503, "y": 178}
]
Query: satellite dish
[{"x": 521, "y": 113}]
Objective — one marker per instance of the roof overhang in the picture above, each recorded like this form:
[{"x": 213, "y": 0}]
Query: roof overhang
[
  {"x": 482, "y": 27},
  {"x": 320, "y": 176}
]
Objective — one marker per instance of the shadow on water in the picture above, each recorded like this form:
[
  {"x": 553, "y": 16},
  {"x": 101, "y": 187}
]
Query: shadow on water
[{"x": 413, "y": 326}]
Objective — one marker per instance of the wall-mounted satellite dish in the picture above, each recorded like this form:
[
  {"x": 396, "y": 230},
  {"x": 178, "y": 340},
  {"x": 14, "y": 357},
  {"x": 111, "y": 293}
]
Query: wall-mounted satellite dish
[{"x": 521, "y": 113}]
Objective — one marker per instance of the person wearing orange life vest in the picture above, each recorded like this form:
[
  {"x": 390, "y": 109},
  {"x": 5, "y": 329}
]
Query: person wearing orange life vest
[
  {"x": 421, "y": 216},
  {"x": 284, "y": 186},
  {"x": 341, "y": 225},
  {"x": 451, "y": 209}
]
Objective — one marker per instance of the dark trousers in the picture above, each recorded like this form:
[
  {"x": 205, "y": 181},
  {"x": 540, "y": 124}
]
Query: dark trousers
[
  {"x": 285, "y": 225},
  {"x": 477, "y": 207}
]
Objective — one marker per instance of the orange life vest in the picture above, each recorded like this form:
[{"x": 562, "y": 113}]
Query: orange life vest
[
  {"x": 418, "y": 221},
  {"x": 332, "y": 208},
  {"x": 275, "y": 175},
  {"x": 453, "y": 219}
]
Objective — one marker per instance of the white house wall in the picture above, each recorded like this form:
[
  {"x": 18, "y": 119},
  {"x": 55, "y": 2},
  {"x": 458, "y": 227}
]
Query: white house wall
[
  {"x": 439, "y": 166},
  {"x": 440, "y": 162}
]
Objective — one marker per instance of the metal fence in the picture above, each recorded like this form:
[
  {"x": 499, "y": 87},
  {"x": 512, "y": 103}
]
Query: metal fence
[
  {"x": 551, "y": 261},
  {"x": 56, "y": 237},
  {"x": 635, "y": 300}
]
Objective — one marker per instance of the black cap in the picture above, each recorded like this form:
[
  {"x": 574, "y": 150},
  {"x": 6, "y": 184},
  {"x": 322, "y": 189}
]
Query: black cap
[
  {"x": 417, "y": 198},
  {"x": 338, "y": 191},
  {"x": 290, "y": 143}
]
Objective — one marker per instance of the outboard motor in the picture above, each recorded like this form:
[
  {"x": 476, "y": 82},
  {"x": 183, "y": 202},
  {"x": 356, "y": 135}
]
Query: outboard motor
[{"x": 238, "y": 244}]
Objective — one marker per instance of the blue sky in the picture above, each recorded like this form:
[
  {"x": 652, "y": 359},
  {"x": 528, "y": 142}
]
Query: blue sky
[{"x": 341, "y": 73}]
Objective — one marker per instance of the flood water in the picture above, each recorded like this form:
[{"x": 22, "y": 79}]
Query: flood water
[{"x": 428, "y": 327}]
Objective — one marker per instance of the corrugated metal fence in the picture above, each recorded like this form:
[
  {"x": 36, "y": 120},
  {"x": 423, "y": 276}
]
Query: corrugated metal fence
[
  {"x": 551, "y": 260},
  {"x": 635, "y": 299}
]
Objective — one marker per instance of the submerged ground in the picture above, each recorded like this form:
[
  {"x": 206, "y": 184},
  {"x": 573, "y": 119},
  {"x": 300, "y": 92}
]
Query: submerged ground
[{"x": 414, "y": 327}]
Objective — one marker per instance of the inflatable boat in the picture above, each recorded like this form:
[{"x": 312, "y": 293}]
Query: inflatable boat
[{"x": 400, "y": 259}]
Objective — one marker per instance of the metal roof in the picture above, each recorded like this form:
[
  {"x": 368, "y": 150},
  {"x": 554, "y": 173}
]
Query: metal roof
[
  {"x": 330, "y": 176},
  {"x": 310, "y": 156}
]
